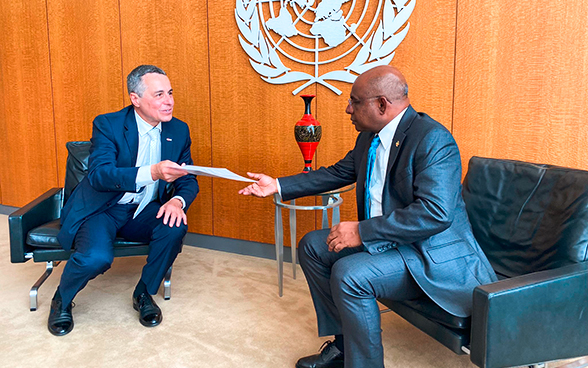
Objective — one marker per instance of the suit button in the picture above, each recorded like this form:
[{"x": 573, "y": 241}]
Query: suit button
[
  {"x": 117, "y": 186},
  {"x": 379, "y": 249}
]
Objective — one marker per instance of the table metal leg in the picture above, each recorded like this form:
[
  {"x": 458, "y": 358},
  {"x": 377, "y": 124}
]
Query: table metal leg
[
  {"x": 336, "y": 215},
  {"x": 293, "y": 238},
  {"x": 279, "y": 238},
  {"x": 325, "y": 200}
]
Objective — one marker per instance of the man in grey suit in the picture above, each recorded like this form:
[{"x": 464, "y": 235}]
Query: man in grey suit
[{"x": 413, "y": 237}]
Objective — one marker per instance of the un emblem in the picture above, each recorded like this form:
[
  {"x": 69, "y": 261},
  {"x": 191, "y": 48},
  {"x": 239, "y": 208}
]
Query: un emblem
[{"x": 280, "y": 36}]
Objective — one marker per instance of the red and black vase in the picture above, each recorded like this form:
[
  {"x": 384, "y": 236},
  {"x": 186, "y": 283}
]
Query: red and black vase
[{"x": 307, "y": 132}]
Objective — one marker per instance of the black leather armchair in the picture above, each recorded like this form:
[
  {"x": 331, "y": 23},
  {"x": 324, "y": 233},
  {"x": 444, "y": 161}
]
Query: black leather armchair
[
  {"x": 532, "y": 222},
  {"x": 34, "y": 227}
]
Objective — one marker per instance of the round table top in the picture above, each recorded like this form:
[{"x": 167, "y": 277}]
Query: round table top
[{"x": 334, "y": 200}]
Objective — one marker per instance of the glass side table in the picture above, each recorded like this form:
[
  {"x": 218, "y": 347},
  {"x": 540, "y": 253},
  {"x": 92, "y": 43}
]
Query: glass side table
[{"x": 330, "y": 200}]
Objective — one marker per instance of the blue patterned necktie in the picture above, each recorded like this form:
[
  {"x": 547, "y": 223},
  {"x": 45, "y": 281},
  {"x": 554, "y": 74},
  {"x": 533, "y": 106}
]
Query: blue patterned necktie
[{"x": 371, "y": 159}]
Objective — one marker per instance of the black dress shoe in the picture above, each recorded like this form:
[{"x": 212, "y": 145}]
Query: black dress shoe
[
  {"x": 329, "y": 357},
  {"x": 149, "y": 313},
  {"x": 60, "y": 319}
]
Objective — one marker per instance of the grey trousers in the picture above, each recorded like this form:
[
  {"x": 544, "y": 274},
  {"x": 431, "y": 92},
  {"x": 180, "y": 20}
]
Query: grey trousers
[{"x": 344, "y": 287}]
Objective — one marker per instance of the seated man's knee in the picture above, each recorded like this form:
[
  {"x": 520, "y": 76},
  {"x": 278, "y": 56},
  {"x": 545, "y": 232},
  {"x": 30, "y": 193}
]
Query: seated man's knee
[
  {"x": 349, "y": 280},
  {"x": 95, "y": 263},
  {"x": 174, "y": 232},
  {"x": 307, "y": 246}
]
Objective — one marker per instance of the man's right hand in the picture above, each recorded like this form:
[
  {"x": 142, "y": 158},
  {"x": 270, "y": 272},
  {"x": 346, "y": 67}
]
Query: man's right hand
[
  {"x": 167, "y": 170},
  {"x": 265, "y": 186}
]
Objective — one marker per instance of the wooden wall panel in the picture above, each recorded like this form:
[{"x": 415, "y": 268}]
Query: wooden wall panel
[
  {"x": 173, "y": 35},
  {"x": 87, "y": 32},
  {"x": 509, "y": 79},
  {"x": 253, "y": 130},
  {"x": 522, "y": 81},
  {"x": 27, "y": 136}
]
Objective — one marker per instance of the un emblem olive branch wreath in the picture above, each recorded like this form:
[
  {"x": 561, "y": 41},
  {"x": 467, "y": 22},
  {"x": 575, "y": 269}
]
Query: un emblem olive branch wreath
[{"x": 379, "y": 49}]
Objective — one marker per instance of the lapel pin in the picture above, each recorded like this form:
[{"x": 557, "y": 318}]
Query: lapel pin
[
  {"x": 397, "y": 143},
  {"x": 169, "y": 140}
]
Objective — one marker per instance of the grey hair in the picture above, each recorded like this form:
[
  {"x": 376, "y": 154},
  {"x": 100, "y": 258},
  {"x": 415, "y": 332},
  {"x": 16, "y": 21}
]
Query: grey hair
[{"x": 135, "y": 78}]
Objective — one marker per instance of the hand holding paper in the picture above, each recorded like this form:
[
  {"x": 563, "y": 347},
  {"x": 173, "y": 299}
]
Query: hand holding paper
[{"x": 215, "y": 173}]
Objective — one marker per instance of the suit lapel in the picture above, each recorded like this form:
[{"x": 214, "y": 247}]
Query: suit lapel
[
  {"x": 167, "y": 142},
  {"x": 132, "y": 134},
  {"x": 167, "y": 147},
  {"x": 399, "y": 137}
]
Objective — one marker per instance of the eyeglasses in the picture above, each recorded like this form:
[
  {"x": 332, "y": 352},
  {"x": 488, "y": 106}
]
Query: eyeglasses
[{"x": 353, "y": 102}]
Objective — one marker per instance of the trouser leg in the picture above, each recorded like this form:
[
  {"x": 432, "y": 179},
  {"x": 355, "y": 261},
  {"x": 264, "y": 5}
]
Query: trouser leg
[
  {"x": 356, "y": 282},
  {"x": 316, "y": 262},
  {"x": 93, "y": 253},
  {"x": 165, "y": 243}
]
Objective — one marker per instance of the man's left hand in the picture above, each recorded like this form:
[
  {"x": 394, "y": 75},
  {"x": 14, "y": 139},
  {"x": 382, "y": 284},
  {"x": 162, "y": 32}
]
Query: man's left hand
[
  {"x": 344, "y": 235},
  {"x": 173, "y": 213}
]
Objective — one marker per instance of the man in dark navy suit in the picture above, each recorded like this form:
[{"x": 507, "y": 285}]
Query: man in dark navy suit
[
  {"x": 135, "y": 153},
  {"x": 413, "y": 238}
]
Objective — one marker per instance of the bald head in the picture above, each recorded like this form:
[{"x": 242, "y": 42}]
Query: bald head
[
  {"x": 377, "y": 97},
  {"x": 385, "y": 81}
]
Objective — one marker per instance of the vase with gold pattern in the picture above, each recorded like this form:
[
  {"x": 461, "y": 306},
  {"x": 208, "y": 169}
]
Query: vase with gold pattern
[{"x": 307, "y": 132}]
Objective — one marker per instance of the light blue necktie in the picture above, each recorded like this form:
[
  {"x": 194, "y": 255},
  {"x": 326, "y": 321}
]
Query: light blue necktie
[
  {"x": 371, "y": 159},
  {"x": 152, "y": 157}
]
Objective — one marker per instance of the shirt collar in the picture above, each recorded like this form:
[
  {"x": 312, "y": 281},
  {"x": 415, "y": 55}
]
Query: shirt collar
[
  {"x": 143, "y": 126},
  {"x": 387, "y": 133}
]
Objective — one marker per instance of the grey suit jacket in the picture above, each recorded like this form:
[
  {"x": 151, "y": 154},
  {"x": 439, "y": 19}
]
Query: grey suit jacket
[{"x": 424, "y": 214}]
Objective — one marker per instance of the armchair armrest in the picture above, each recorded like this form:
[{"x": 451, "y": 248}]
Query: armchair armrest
[
  {"x": 45, "y": 208},
  {"x": 531, "y": 318}
]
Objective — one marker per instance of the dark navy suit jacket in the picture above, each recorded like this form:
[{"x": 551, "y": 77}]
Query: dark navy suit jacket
[
  {"x": 424, "y": 214},
  {"x": 112, "y": 171}
]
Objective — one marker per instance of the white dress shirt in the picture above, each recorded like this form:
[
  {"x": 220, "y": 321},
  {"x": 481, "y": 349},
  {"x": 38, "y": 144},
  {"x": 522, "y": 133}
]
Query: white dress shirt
[
  {"x": 380, "y": 166},
  {"x": 144, "y": 173}
]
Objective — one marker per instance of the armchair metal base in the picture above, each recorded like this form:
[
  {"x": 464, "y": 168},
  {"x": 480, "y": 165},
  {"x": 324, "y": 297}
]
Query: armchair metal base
[
  {"x": 49, "y": 269},
  {"x": 167, "y": 284},
  {"x": 34, "y": 290}
]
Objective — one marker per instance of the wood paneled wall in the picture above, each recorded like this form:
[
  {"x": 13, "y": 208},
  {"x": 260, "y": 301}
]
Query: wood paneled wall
[
  {"x": 521, "y": 86},
  {"x": 27, "y": 128},
  {"x": 510, "y": 80}
]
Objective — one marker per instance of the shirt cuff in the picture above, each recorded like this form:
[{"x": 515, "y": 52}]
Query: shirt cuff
[
  {"x": 181, "y": 200},
  {"x": 144, "y": 177},
  {"x": 279, "y": 187}
]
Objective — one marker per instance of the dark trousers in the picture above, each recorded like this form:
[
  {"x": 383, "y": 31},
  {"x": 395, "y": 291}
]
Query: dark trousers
[
  {"x": 94, "y": 250},
  {"x": 344, "y": 287}
]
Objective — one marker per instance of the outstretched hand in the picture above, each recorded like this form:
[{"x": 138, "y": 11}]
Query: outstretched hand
[{"x": 265, "y": 186}]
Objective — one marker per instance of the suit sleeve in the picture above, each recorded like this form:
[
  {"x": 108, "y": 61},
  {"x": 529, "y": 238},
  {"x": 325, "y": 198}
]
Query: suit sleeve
[
  {"x": 324, "y": 179},
  {"x": 103, "y": 173},
  {"x": 436, "y": 186},
  {"x": 186, "y": 186}
]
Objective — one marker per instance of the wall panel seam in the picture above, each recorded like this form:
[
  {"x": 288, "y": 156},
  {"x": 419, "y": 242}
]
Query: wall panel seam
[
  {"x": 122, "y": 68},
  {"x": 210, "y": 112},
  {"x": 454, "y": 68},
  {"x": 52, "y": 95}
]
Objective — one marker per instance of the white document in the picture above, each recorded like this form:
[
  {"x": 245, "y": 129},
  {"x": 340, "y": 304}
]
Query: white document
[{"x": 215, "y": 172}]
